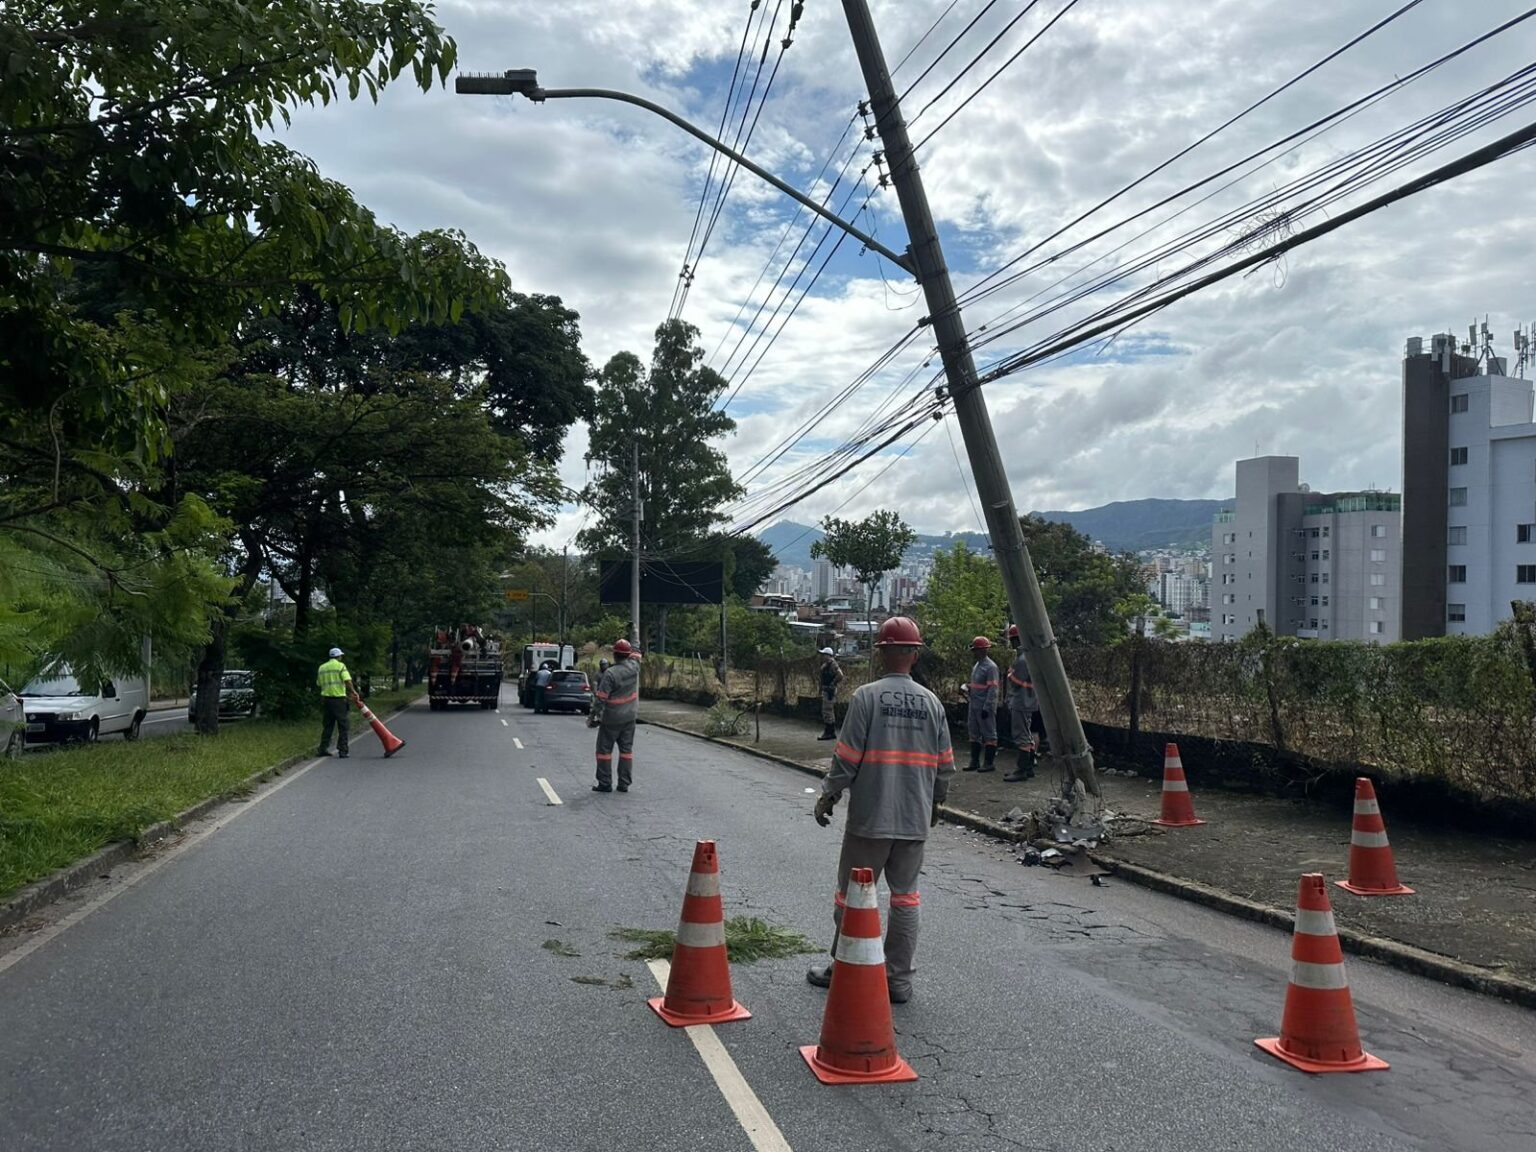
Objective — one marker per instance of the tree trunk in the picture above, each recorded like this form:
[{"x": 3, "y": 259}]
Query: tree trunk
[
  {"x": 661, "y": 629},
  {"x": 210, "y": 666}
]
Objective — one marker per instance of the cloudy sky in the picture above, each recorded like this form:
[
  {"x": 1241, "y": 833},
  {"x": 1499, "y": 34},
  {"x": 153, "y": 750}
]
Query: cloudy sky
[{"x": 595, "y": 201}]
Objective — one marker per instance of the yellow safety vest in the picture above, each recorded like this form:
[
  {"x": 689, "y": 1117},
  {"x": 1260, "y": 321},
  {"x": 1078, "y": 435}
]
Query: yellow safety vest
[{"x": 332, "y": 678}]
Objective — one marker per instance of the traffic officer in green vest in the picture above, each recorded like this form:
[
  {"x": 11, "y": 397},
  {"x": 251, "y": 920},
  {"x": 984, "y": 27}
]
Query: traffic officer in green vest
[{"x": 335, "y": 684}]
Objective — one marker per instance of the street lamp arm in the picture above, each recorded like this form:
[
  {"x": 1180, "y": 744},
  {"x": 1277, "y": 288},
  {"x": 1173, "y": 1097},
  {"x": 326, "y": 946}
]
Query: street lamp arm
[{"x": 539, "y": 95}]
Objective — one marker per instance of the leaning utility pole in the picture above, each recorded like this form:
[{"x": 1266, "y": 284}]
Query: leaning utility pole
[
  {"x": 1068, "y": 743},
  {"x": 634, "y": 576}
]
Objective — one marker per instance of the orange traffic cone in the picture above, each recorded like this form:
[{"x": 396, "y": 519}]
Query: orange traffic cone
[
  {"x": 1371, "y": 870},
  {"x": 858, "y": 1040},
  {"x": 1317, "y": 1029},
  {"x": 1178, "y": 808},
  {"x": 391, "y": 742},
  {"x": 699, "y": 984}
]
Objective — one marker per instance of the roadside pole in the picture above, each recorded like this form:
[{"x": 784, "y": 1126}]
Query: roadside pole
[
  {"x": 634, "y": 576},
  {"x": 1069, "y": 746}
]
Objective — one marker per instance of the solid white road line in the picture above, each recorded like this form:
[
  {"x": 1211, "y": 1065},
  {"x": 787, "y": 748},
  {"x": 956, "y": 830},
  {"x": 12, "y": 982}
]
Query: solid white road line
[
  {"x": 44, "y": 935},
  {"x": 749, "y": 1110},
  {"x": 160, "y": 719},
  {"x": 550, "y": 792},
  {"x": 515, "y": 740}
]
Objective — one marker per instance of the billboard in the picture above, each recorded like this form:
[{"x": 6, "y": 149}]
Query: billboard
[{"x": 665, "y": 581}]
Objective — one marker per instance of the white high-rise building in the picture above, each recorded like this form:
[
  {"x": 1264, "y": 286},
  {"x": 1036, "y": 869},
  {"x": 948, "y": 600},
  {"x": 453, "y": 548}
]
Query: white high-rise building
[
  {"x": 1319, "y": 566},
  {"x": 1469, "y": 488}
]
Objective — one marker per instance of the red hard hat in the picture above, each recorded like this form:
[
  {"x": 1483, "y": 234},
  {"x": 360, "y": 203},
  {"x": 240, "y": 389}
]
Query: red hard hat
[
  {"x": 1013, "y": 631},
  {"x": 981, "y": 642},
  {"x": 899, "y": 632},
  {"x": 622, "y": 648}
]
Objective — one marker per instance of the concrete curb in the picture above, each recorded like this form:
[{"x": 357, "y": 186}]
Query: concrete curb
[
  {"x": 1391, "y": 952},
  {"x": 45, "y": 891}
]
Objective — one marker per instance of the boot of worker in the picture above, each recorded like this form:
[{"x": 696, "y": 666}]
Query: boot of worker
[
  {"x": 975, "y": 763},
  {"x": 1024, "y": 769},
  {"x": 900, "y": 948},
  {"x": 991, "y": 762},
  {"x": 828, "y": 732}
]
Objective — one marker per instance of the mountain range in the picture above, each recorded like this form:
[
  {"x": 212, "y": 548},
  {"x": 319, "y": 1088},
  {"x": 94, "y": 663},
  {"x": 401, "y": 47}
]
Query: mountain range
[{"x": 1124, "y": 526}]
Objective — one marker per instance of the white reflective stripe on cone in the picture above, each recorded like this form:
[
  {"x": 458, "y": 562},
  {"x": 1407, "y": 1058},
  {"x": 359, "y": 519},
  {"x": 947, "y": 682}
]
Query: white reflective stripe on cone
[
  {"x": 701, "y": 935},
  {"x": 861, "y": 896},
  {"x": 1172, "y": 762},
  {"x": 1322, "y": 977},
  {"x": 861, "y": 950},
  {"x": 703, "y": 883},
  {"x": 1175, "y": 785},
  {"x": 1367, "y": 808},
  {"x": 1313, "y": 923},
  {"x": 1367, "y": 839}
]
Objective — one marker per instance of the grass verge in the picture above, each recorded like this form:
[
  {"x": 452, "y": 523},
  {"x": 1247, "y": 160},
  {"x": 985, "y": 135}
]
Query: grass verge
[
  {"x": 746, "y": 939},
  {"x": 57, "y": 807}
]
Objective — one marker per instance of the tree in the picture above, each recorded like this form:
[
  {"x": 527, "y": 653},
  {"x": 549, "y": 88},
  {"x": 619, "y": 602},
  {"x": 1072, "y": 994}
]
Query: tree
[
  {"x": 965, "y": 598},
  {"x": 145, "y": 215},
  {"x": 1081, "y": 584},
  {"x": 667, "y": 414},
  {"x": 872, "y": 547}
]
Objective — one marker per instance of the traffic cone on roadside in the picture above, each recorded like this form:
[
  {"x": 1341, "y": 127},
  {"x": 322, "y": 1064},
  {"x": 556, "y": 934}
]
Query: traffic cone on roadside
[
  {"x": 699, "y": 984},
  {"x": 1178, "y": 808},
  {"x": 1317, "y": 1029},
  {"x": 858, "y": 1040},
  {"x": 391, "y": 742},
  {"x": 1371, "y": 869}
]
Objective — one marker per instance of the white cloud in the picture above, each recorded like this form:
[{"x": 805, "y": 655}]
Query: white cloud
[{"x": 594, "y": 202}]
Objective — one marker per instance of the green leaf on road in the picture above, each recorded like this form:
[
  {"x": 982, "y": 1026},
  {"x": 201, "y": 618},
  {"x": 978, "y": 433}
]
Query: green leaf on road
[{"x": 747, "y": 939}]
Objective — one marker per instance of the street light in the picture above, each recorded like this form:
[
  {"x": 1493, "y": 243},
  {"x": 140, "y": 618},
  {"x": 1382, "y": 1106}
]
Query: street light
[{"x": 525, "y": 82}]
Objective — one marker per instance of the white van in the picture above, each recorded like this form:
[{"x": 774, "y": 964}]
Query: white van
[
  {"x": 13, "y": 721},
  {"x": 59, "y": 709}
]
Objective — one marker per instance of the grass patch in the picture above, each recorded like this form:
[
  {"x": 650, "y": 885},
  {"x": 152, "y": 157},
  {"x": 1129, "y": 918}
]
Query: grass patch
[
  {"x": 559, "y": 948},
  {"x": 747, "y": 938},
  {"x": 59, "y": 806}
]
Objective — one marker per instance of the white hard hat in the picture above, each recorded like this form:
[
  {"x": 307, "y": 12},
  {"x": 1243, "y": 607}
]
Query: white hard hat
[
  {"x": 828, "y": 652},
  {"x": 335, "y": 652}
]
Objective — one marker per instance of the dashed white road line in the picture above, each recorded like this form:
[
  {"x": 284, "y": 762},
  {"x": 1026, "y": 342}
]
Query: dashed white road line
[
  {"x": 504, "y": 724},
  {"x": 43, "y": 935},
  {"x": 515, "y": 740},
  {"x": 748, "y": 1109},
  {"x": 549, "y": 792}
]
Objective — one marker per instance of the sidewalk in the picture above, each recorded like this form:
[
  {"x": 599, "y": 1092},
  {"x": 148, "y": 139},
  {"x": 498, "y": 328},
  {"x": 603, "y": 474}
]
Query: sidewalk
[{"x": 1475, "y": 898}]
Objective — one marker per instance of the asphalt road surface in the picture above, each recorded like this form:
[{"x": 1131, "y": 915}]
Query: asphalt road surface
[{"x": 356, "y": 959}]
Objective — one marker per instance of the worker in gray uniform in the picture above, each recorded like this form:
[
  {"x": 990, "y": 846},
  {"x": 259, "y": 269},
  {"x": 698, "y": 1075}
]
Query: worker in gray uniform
[
  {"x": 615, "y": 706},
  {"x": 894, "y": 758},
  {"x": 981, "y": 707},
  {"x": 1022, "y": 706}
]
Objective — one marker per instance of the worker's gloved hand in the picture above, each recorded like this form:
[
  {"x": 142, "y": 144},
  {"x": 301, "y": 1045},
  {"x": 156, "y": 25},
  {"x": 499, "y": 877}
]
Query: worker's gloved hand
[
  {"x": 592, "y": 721},
  {"x": 934, "y": 820},
  {"x": 823, "y": 809}
]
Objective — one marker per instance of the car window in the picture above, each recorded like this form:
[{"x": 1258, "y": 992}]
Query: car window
[
  {"x": 108, "y": 690},
  {"x": 53, "y": 686},
  {"x": 570, "y": 677},
  {"x": 236, "y": 680}
]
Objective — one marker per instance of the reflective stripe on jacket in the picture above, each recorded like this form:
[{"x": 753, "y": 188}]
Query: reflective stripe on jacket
[
  {"x": 1021, "y": 691},
  {"x": 332, "y": 678},
  {"x": 984, "y": 685},
  {"x": 894, "y": 758},
  {"x": 618, "y": 694}
]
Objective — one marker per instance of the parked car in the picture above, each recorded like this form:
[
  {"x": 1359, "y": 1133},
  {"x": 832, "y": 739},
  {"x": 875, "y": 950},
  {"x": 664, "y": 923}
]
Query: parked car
[
  {"x": 237, "y": 696},
  {"x": 60, "y": 709},
  {"x": 569, "y": 690},
  {"x": 13, "y": 723}
]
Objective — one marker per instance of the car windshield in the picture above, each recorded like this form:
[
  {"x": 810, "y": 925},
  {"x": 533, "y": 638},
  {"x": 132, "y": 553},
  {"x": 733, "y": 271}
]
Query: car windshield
[
  {"x": 236, "y": 680},
  {"x": 53, "y": 686},
  {"x": 570, "y": 677}
]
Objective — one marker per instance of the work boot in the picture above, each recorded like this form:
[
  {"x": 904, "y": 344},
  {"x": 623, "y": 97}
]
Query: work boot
[
  {"x": 975, "y": 763},
  {"x": 991, "y": 762},
  {"x": 1024, "y": 770},
  {"x": 821, "y": 977},
  {"x": 899, "y": 995},
  {"x": 602, "y": 788},
  {"x": 623, "y": 787},
  {"x": 828, "y": 732}
]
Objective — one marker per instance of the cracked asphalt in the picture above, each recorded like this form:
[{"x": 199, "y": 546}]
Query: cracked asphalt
[{"x": 415, "y": 954}]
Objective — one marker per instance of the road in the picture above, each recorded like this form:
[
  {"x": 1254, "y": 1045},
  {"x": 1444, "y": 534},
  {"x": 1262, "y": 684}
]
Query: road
[{"x": 356, "y": 959}]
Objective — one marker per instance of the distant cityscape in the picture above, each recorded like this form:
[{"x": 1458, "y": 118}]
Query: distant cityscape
[{"x": 1450, "y": 554}]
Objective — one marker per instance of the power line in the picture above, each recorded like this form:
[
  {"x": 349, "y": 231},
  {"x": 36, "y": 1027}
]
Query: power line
[
  {"x": 936, "y": 60},
  {"x": 969, "y": 495},
  {"x": 1027, "y": 9},
  {"x": 923, "y": 39}
]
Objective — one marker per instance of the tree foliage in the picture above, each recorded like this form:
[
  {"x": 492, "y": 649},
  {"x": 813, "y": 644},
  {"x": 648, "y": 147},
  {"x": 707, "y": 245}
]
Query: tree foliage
[
  {"x": 1081, "y": 584},
  {"x": 964, "y": 599},
  {"x": 871, "y": 547}
]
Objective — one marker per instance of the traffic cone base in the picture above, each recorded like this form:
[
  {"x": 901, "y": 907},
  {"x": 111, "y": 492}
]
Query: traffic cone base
[
  {"x": 391, "y": 742},
  {"x": 699, "y": 983},
  {"x": 1366, "y": 1062},
  {"x": 1178, "y": 808},
  {"x": 1372, "y": 871},
  {"x": 897, "y": 1074},
  {"x": 858, "y": 1039}
]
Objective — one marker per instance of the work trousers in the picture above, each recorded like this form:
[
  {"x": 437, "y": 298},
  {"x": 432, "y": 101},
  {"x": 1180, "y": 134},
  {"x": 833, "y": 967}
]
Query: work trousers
[
  {"x": 829, "y": 706},
  {"x": 336, "y": 716},
  {"x": 607, "y": 736},
  {"x": 900, "y": 861},
  {"x": 981, "y": 731},
  {"x": 538, "y": 700}
]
